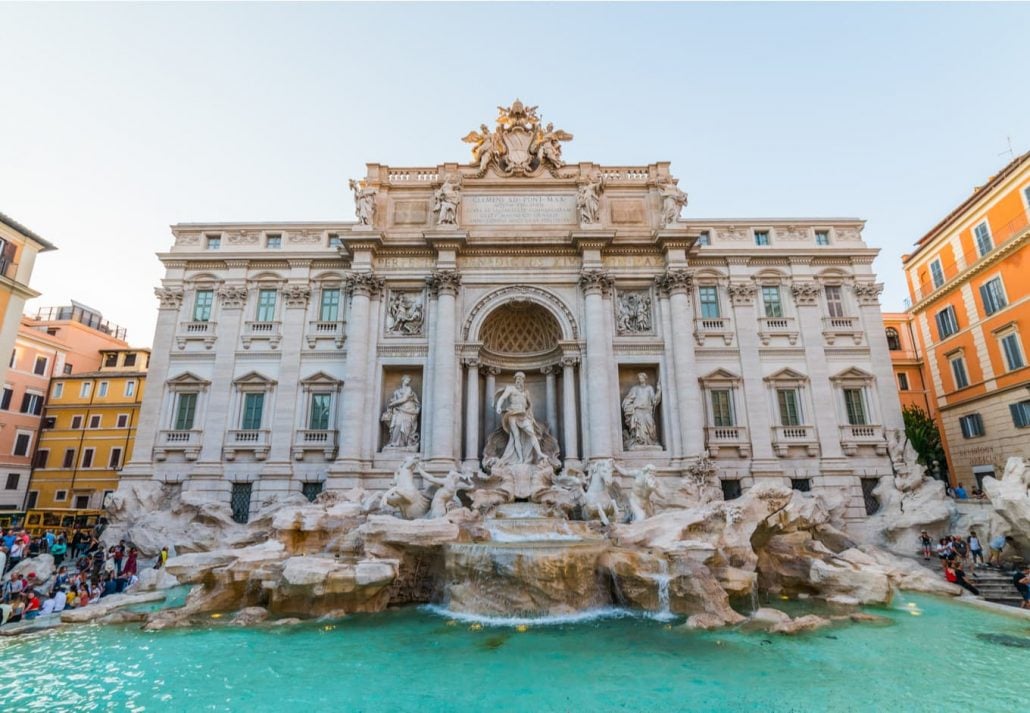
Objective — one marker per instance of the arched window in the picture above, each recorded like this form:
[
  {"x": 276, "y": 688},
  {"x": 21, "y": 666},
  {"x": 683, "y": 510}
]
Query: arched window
[{"x": 893, "y": 340}]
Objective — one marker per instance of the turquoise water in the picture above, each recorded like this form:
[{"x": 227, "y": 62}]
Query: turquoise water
[{"x": 930, "y": 659}]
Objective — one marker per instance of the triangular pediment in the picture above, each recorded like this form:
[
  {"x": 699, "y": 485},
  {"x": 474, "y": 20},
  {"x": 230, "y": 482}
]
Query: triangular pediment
[
  {"x": 253, "y": 377},
  {"x": 786, "y": 374},
  {"x": 720, "y": 375},
  {"x": 320, "y": 378},
  {"x": 187, "y": 378},
  {"x": 852, "y": 374}
]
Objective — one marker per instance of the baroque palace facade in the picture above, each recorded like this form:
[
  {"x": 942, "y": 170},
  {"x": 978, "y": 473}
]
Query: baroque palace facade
[{"x": 292, "y": 357}]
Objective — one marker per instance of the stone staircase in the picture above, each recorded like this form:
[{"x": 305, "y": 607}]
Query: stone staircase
[{"x": 995, "y": 586}]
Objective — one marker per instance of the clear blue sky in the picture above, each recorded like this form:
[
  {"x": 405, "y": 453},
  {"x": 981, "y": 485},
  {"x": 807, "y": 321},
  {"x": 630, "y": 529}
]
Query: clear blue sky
[{"x": 118, "y": 120}]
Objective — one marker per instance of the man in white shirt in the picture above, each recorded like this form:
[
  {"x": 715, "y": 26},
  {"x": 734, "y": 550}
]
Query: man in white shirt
[
  {"x": 60, "y": 599},
  {"x": 48, "y": 606}
]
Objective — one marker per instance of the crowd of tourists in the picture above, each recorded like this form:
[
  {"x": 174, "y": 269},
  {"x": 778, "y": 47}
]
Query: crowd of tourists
[
  {"x": 84, "y": 571},
  {"x": 955, "y": 553},
  {"x": 959, "y": 492}
]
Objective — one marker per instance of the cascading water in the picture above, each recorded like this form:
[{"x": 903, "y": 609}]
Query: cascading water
[
  {"x": 662, "y": 584},
  {"x": 530, "y": 567}
]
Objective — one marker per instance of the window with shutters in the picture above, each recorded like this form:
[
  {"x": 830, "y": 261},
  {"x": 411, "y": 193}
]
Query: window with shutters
[
  {"x": 329, "y": 308},
  {"x": 972, "y": 425},
  {"x": 69, "y": 458},
  {"x": 1020, "y": 414},
  {"x": 122, "y": 421},
  {"x": 130, "y": 388},
  {"x": 722, "y": 408},
  {"x": 253, "y": 408},
  {"x": 85, "y": 389},
  {"x": 202, "y": 303},
  {"x": 937, "y": 273},
  {"x": 318, "y": 416},
  {"x": 115, "y": 460},
  {"x": 22, "y": 442},
  {"x": 947, "y": 323},
  {"x": 102, "y": 389},
  {"x": 87, "y": 457},
  {"x": 761, "y": 237},
  {"x": 771, "y": 301},
  {"x": 822, "y": 237},
  {"x": 58, "y": 390},
  {"x": 94, "y": 421},
  {"x": 32, "y": 403},
  {"x": 185, "y": 411},
  {"x": 76, "y": 423},
  {"x": 266, "y": 305},
  {"x": 789, "y": 404},
  {"x": 893, "y": 339},
  {"x": 958, "y": 371},
  {"x": 1013, "y": 351},
  {"x": 5, "y": 399},
  {"x": 854, "y": 407},
  {"x": 274, "y": 241},
  {"x": 982, "y": 232},
  {"x": 41, "y": 458},
  {"x": 903, "y": 382},
  {"x": 708, "y": 297},
  {"x": 12, "y": 481},
  {"x": 992, "y": 294},
  {"x": 39, "y": 368},
  {"x": 834, "y": 301}
]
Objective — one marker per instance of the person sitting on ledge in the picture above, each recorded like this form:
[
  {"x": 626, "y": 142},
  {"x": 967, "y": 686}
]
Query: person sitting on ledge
[
  {"x": 954, "y": 573},
  {"x": 960, "y": 492}
]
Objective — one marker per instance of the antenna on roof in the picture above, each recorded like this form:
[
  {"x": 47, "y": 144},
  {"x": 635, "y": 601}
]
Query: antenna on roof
[{"x": 1009, "y": 151}]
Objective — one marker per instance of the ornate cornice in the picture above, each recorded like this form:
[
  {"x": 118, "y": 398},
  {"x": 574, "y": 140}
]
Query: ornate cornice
[
  {"x": 365, "y": 283},
  {"x": 805, "y": 293},
  {"x": 444, "y": 282},
  {"x": 675, "y": 280},
  {"x": 296, "y": 295},
  {"x": 741, "y": 293},
  {"x": 169, "y": 297},
  {"x": 595, "y": 282},
  {"x": 232, "y": 296}
]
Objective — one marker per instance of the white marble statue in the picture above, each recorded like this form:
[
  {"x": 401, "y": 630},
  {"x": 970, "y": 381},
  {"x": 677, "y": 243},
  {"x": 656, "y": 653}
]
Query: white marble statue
[
  {"x": 634, "y": 312},
  {"x": 364, "y": 202},
  {"x": 638, "y": 408},
  {"x": 405, "y": 496},
  {"x": 598, "y": 503},
  {"x": 445, "y": 498},
  {"x": 405, "y": 315},
  {"x": 401, "y": 416},
  {"x": 673, "y": 200},
  {"x": 588, "y": 199},
  {"x": 446, "y": 200},
  {"x": 645, "y": 487},
  {"x": 515, "y": 408}
]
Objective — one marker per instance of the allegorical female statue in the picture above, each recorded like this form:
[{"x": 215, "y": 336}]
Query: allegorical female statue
[
  {"x": 516, "y": 411},
  {"x": 401, "y": 416},
  {"x": 638, "y": 414}
]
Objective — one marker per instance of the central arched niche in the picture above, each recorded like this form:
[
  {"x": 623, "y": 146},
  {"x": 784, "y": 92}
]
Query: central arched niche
[{"x": 520, "y": 334}]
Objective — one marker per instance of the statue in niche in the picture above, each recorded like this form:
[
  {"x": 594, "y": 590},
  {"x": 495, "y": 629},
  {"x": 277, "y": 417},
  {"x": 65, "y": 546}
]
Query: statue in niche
[
  {"x": 364, "y": 201},
  {"x": 588, "y": 199},
  {"x": 673, "y": 200},
  {"x": 634, "y": 313},
  {"x": 446, "y": 200},
  {"x": 401, "y": 417},
  {"x": 515, "y": 408},
  {"x": 638, "y": 409},
  {"x": 404, "y": 315}
]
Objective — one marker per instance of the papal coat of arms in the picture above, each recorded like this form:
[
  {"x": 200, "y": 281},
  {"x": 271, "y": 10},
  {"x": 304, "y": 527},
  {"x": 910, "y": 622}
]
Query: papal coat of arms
[{"x": 519, "y": 146}]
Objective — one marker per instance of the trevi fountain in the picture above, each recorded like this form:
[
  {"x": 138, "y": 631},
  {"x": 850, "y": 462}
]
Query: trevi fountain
[{"x": 576, "y": 489}]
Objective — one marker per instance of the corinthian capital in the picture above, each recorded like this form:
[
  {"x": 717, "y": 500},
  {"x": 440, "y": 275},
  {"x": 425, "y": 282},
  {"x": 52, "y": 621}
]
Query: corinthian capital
[
  {"x": 169, "y": 297},
  {"x": 296, "y": 295},
  {"x": 232, "y": 296},
  {"x": 675, "y": 280},
  {"x": 444, "y": 282},
  {"x": 868, "y": 293},
  {"x": 365, "y": 283},
  {"x": 805, "y": 293},
  {"x": 742, "y": 293},
  {"x": 595, "y": 281}
]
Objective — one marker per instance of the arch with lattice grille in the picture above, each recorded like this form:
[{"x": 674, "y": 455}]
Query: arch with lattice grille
[{"x": 520, "y": 297}]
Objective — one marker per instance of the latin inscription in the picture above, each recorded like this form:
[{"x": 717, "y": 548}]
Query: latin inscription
[{"x": 519, "y": 210}]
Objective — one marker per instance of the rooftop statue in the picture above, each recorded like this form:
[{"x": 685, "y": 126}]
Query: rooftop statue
[{"x": 519, "y": 146}]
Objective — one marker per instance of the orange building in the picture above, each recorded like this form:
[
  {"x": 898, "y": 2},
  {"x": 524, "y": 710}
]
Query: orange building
[
  {"x": 907, "y": 360},
  {"x": 971, "y": 316},
  {"x": 18, "y": 249},
  {"x": 57, "y": 341}
]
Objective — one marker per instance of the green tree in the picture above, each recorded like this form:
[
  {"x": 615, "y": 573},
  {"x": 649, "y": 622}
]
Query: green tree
[{"x": 925, "y": 438}]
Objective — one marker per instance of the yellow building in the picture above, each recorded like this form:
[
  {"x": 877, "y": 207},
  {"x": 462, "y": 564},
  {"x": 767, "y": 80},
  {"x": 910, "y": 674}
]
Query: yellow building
[
  {"x": 18, "y": 249},
  {"x": 88, "y": 431}
]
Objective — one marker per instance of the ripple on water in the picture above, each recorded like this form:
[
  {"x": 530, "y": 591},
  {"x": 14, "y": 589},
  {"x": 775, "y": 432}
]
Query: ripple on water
[{"x": 607, "y": 661}]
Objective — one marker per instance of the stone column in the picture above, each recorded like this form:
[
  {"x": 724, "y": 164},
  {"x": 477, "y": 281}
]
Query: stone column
[
  {"x": 677, "y": 283},
  {"x": 568, "y": 383},
  {"x": 594, "y": 283},
  {"x": 355, "y": 384},
  {"x": 669, "y": 383},
  {"x": 756, "y": 405},
  {"x": 284, "y": 420},
  {"x": 824, "y": 395},
  {"x": 150, "y": 416},
  {"x": 488, "y": 399},
  {"x": 472, "y": 412},
  {"x": 551, "y": 375},
  {"x": 441, "y": 447}
]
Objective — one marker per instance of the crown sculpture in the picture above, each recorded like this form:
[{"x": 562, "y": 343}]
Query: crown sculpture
[{"x": 519, "y": 146}]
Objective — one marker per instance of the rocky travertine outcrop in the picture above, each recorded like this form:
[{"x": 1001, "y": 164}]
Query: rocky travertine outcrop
[{"x": 1010, "y": 497}]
